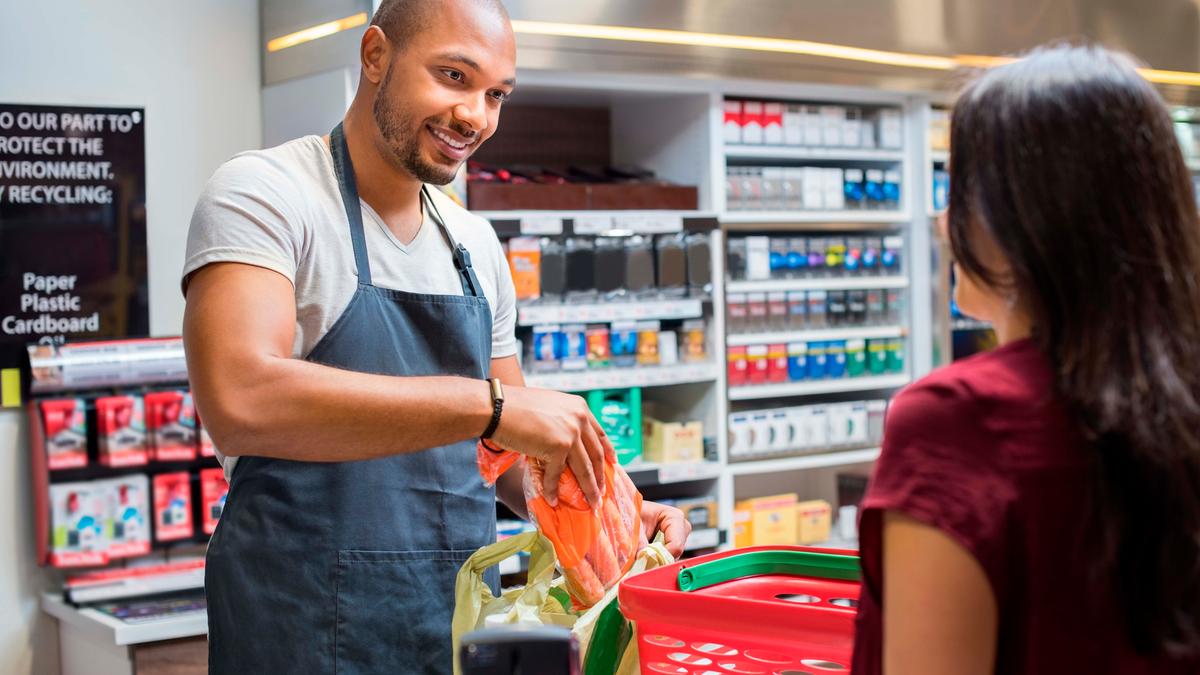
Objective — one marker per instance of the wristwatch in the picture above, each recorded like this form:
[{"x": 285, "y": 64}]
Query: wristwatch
[{"x": 497, "y": 407}]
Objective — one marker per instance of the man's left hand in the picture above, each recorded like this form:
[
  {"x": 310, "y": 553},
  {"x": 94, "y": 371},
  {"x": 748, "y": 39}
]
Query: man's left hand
[{"x": 668, "y": 520}]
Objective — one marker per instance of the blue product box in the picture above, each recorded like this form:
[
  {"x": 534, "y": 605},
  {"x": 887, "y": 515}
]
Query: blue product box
[
  {"x": 835, "y": 359},
  {"x": 816, "y": 361},
  {"x": 797, "y": 361}
]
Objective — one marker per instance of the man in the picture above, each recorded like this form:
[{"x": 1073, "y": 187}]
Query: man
[{"x": 342, "y": 320}]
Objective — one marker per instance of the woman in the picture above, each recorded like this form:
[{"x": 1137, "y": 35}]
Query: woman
[{"x": 1036, "y": 509}]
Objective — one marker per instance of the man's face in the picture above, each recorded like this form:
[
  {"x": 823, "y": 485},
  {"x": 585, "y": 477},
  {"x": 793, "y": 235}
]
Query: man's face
[{"x": 441, "y": 96}]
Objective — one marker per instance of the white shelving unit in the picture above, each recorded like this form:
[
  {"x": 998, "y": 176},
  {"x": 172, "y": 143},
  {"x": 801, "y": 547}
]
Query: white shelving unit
[
  {"x": 818, "y": 284},
  {"x": 819, "y": 461},
  {"x": 858, "y": 333},
  {"x": 674, "y": 126},
  {"x": 754, "y": 392}
]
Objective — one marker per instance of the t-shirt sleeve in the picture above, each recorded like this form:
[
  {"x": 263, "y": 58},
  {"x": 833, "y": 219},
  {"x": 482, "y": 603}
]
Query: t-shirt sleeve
[
  {"x": 936, "y": 467},
  {"x": 504, "y": 337},
  {"x": 245, "y": 215}
]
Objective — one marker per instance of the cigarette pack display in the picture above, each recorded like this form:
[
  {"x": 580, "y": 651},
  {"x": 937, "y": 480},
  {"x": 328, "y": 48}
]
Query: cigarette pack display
[
  {"x": 692, "y": 341},
  {"x": 128, "y": 515},
  {"x": 598, "y": 350},
  {"x": 856, "y": 357},
  {"x": 814, "y": 188},
  {"x": 852, "y": 128},
  {"x": 173, "y": 506},
  {"x": 548, "y": 345},
  {"x": 797, "y": 361},
  {"x": 773, "y": 123},
  {"x": 772, "y": 188},
  {"x": 853, "y": 262},
  {"x": 818, "y": 309},
  {"x": 739, "y": 435},
  {"x": 816, "y": 255},
  {"x": 891, "y": 189},
  {"x": 814, "y": 132},
  {"x": 793, "y": 124},
  {"x": 757, "y": 363},
  {"x": 817, "y": 368},
  {"x": 777, "y": 363},
  {"x": 891, "y": 260},
  {"x": 668, "y": 347},
  {"x": 699, "y": 261},
  {"x": 877, "y": 356},
  {"x": 856, "y": 307},
  {"x": 855, "y": 189},
  {"x": 874, "y": 188},
  {"x": 835, "y": 189},
  {"x": 733, "y": 121},
  {"x": 575, "y": 349},
  {"x": 581, "y": 266},
  {"x": 793, "y": 188},
  {"x": 797, "y": 303},
  {"x": 170, "y": 427},
  {"x": 752, "y": 122},
  {"x": 525, "y": 264},
  {"x": 756, "y": 311},
  {"x": 64, "y": 423},
  {"x": 777, "y": 310},
  {"x": 818, "y": 426},
  {"x": 737, "y": 366},
  {"x": 758, "y": 258},
  {"x": 895, "y": 355},
  {"x": 553, "y": 274},
  {"x": 872, "y": 249},
  {"x": 647, "y": 343},
  {"x": 213, "y": 490},
  {"x": 121, "y": 430},
  {"x": 670, "y": 262},
  {"x": 737, "y": 258},
  {"x": 77, "y": 514},
  {"x": 833, "y": 118},
  {"x": 835, "y": 358},
  {"x": 797, "y": 256},
  {"x": 639, "y": 264},
  {"x": 737, "y": 311},
  {"x": 838, "y": 308},
  {"x": 623, "y": 339},
  {"x": 612, "y": 264},
  {"x": 891, "y": 129},
  {"x": 782, "y": 434},
  {"x": 778, "y": 256},
  {"x": 760, "y": 432}
]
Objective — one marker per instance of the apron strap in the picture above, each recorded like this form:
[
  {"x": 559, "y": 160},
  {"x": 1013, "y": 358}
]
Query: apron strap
[
  {"x": 349, "y": 188},
  {"x": 462, "y": 257}
]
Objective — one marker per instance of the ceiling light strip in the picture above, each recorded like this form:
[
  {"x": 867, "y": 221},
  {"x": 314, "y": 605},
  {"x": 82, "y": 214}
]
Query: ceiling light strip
[{"x": 315, "y": 32}]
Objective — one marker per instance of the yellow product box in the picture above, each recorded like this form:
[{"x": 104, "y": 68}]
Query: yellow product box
[
  {"x": 813, "y": 521},
  {"x": 672, "y": 441},
  {"x": 771, "y": 521}
]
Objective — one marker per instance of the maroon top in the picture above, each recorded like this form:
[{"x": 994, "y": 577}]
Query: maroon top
[{"x": 982, "y": 451}]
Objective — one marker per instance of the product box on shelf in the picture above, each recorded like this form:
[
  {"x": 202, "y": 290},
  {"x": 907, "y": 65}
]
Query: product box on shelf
[
  {"x": 773, "y": 123},
  {"x": 793, "y": 124},
  {"x": 647, "y": 343},
  {"x": 873, "y": 188},
  {"x": 852, "y": 128},
  {"x": 757, "y": 364},
  {"x": 128, "y": 515},
  {"x": 624, "y": 342},
  {"x": 524, "y": 262},
  {"x": 121, "y": 430},
  {"x": 598, "y": 347},
  {"x": 672, "y": 441},
  {"x": 765, "y": 521},
  {"x": 619, "y": 412},
  {"x": 891, "y": 129},
  {"x": 758, "y": 258},
  {"x": 752, "y": 122},
  {"x": 77, "y": 525},
  {"x": 738, "y": 366},
  {"x": 692, "y": 342},
  {"x": 701, "y": 512},
  {"x": 173, "y": 506},
  {"x": 814, "y": 518},
  {"x": 213, "y": 490},
  {"x": 64, "y": 423},
  {"x": 833, "y": 118},
  {"x": 733, "y": 121},
  {"x": 170, "y": 426},
  {"x": 814, "y": 126}
]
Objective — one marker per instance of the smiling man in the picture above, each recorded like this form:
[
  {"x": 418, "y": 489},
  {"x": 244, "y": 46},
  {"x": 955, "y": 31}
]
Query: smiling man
[{"x": 349, "y": 336}]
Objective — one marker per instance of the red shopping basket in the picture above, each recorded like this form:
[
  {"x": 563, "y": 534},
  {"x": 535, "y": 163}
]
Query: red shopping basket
[{"x": 767, "y": 610}]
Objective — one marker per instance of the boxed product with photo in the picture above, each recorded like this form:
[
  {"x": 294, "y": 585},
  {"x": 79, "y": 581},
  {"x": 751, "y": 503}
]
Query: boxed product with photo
[
  {"x": 170, "y": 426},
  {"x": 64, "y": 423},
  {"x": 121, "y": 430},
  {"x": 213, "y": 491},
  {"x": 128, "y": 515},
  {"x": 173, "y": 506},
  {"x": 77, "y": 514}
]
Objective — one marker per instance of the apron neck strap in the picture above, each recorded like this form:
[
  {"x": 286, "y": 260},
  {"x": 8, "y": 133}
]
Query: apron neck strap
[
  {"x": 349, "y": 189},
  {"x": 344, "y": 170}
]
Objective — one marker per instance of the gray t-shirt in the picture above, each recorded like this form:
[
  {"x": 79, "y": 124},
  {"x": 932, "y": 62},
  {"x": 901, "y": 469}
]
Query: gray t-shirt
[{"x": 280, "y": 209}]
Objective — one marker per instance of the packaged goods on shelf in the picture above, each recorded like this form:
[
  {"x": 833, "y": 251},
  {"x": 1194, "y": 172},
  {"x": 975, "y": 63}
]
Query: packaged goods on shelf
[
  {"x": 121, "y": 430},
  {"x": 64, "y": 423},
  {"x": 814, "y": 520},
  {"x": 619, "y": 412},
  {"x": 798, "y": 361},
  {"x": 765, "y": 521},
  {"x": 525, "y": 264},
  {"x": 776, "y": 188},
  {"x": 173, "y": 506},
  {"x": 171, "y": 426},
  {"x": 806, "y": 429},
  {"x": 78, "y": 536},
  {"x": 700, "y": 512},
  {"x": 128, "y": 515},
  {"x": 213, "y": 491},
  {"x": 672, "y": 441},
  {"x": 758, "y": 258},
  {"x": 573, "y": 188}
]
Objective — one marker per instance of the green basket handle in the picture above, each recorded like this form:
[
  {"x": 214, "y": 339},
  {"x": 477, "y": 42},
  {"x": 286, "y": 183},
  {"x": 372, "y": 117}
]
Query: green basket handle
[{"x": 758, "y": 563}]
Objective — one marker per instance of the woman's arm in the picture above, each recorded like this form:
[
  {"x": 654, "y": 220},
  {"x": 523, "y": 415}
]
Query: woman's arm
[{"x": 939, "y": 611}]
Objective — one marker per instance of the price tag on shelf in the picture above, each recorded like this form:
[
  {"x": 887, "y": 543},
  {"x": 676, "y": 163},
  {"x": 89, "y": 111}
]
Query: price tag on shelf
[
  {"x": 541, "y": 223},
  {"x": 649, "y": 223},
  {"x": 592, "y": 223}
]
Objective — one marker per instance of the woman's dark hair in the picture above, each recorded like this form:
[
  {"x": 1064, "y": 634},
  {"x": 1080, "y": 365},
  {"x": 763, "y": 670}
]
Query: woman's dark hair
[{"x": 1067, "y": 160}]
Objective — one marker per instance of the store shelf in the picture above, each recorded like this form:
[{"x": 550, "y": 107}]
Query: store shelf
[
  {"x": 111, "y": 630},
  {"x": 784, "y": 217},
  {"x": 784, "y": 152},
  {"x": 759, "y": 391},
  {"x": 681, "y": 308},
  {"x": 821, "y": 461},
  {"x": 818, "y": 284},
  {"x": 969, "y": 324},
  {"x": 647, "y": 474},
  {"x": 859, "y": 333},
  {"x": 615, "y": 378},
  {"x": 550, "y": 222},
  {"x": 940, "y": 156},
  {"x": 702, "y": 539}
]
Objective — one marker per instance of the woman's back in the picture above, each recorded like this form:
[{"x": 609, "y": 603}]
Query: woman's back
[{"x": 983, "y": 451}]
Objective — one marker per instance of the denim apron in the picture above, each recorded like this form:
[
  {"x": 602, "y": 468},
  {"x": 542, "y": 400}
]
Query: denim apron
[{"x": 349, "y": 567}]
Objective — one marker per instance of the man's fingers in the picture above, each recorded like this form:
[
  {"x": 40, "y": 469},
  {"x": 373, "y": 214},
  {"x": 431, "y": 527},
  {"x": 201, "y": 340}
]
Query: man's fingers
[
  {"x": 554, "y": 469},
  {"x": 595, "y": 454},
  {"x": 582, "y": 467}
]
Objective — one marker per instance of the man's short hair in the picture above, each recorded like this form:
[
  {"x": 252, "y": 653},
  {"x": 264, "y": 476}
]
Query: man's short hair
[{"x": 403, "y": 19}]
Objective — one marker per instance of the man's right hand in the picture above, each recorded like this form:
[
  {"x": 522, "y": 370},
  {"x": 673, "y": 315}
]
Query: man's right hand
[{"x": 559, "y": 430}]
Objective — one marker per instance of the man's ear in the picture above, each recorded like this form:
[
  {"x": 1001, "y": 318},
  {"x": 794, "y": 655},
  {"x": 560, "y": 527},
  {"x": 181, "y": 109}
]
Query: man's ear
[{"x": 375, "y": 52}]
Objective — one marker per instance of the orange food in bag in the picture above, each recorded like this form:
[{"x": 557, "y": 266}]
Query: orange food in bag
[{"x": 595, "y": 548}]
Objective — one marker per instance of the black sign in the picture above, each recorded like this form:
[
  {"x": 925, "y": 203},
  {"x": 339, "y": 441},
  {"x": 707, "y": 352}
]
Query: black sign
[{"x": 72, "y": 225}]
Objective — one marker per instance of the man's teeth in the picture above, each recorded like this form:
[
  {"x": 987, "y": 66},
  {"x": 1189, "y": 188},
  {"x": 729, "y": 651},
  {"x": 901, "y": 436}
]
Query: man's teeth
[{"x": 449, "y": 141}]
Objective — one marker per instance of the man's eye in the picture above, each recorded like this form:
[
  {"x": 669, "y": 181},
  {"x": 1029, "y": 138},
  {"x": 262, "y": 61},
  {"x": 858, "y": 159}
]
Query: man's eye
[
  {"x": 500, "y": 96},
  {"x": 453, "y": 74}
]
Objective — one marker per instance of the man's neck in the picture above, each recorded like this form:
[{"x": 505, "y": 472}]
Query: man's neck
[{"x": 392, "y": 192}]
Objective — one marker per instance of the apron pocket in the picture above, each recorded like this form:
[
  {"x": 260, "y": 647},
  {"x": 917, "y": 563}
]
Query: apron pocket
[{"x": 394, "y": 610}]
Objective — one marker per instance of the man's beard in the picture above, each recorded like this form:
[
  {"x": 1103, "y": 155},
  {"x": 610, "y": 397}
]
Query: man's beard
[{"x": 402, "y": 138}]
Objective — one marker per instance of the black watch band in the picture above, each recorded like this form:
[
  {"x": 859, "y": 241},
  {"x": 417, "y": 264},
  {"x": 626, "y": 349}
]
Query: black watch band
[{"x": 497, "y": 407}]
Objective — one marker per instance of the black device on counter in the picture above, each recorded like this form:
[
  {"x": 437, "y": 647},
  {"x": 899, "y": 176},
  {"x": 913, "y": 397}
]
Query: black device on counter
[{"x": 520, "y": 650}]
